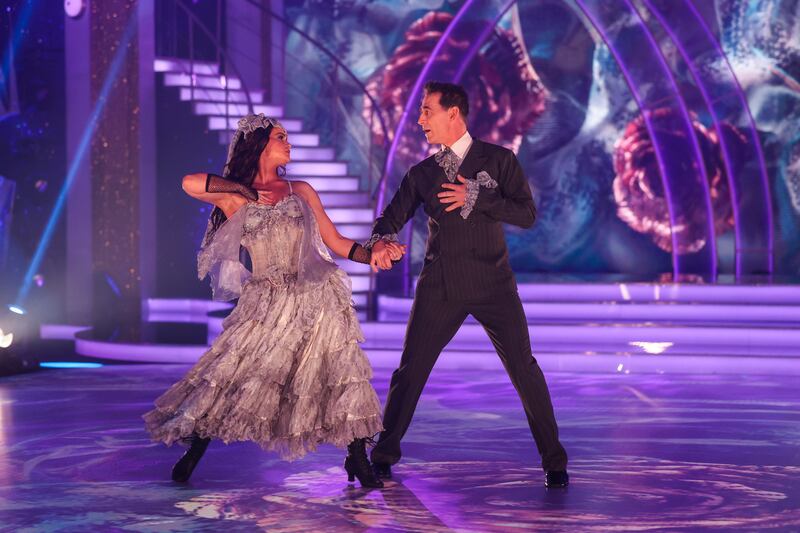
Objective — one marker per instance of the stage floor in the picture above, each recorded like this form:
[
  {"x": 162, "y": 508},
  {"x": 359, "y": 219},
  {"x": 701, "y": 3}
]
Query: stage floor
[{"x": 648, "y": 452}]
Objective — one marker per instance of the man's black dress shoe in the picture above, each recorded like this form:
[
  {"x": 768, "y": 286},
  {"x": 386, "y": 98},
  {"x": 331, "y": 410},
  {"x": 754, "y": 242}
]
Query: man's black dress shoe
[
  {"x": 383, "y": 470},
  {"x": 556, "y": 479}
]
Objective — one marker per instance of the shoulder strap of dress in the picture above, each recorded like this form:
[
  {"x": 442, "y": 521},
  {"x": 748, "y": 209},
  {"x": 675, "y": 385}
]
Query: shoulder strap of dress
[{"x": 290, "y": 186}]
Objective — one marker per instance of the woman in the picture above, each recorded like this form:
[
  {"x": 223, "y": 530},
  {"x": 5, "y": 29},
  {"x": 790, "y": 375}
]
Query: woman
[{"x": 286, "y": 372}]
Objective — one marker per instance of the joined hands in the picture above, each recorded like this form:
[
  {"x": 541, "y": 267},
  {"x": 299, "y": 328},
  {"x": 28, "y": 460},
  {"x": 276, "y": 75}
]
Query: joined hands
[{"x": 383, "y": 253}]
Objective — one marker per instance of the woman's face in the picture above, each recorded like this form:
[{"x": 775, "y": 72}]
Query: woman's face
[{"x": 278, "y": 150}]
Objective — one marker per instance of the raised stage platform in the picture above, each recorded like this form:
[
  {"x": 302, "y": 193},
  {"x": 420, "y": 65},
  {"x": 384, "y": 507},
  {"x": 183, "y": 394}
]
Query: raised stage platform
[{"x": 594, "y": 327}]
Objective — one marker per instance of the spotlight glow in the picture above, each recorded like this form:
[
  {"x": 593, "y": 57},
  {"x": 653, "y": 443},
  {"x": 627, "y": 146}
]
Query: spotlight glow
[
  {"x": 80, "y": 153},
  {"x": 18, "y": 32},
  {"x": 14, "y": 308},
  {"x": 653, "y": 348}
]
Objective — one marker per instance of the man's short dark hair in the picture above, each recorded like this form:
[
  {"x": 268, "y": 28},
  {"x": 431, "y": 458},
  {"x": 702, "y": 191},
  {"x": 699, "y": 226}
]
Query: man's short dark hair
[{"x": 452, "y": 95}]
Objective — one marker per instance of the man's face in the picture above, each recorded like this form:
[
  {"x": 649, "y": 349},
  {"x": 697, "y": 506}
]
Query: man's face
[{"x": 434, "y": 119}]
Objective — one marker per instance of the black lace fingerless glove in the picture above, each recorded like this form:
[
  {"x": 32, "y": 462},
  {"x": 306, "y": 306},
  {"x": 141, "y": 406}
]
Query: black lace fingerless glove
[
  {"x": 359, "y": 254},
  {"x": 216, "y": 183}
]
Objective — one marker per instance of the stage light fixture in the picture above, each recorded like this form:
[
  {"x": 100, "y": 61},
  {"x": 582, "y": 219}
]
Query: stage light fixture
[
  {"x": 6, "y": 339},
  {"x": 74, "y": 8},
  {"x": 17, "y": 341},
  {"x": 69, "y": 364}
]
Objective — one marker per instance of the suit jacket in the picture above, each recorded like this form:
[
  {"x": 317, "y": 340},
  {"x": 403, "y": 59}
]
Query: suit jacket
[{"x": 467, "y": 257}]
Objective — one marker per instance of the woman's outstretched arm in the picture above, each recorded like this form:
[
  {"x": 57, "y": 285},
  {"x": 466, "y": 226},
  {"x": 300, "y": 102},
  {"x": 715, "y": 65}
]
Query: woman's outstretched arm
[{"x": 340, "y": 245}]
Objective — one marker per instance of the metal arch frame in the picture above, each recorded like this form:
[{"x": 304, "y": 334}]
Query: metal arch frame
[
  {"x": 679, "y": 98},
  {"x": 654, "y": 137},
  {"x": 691, "y": 134},
  {"x": 726, "y": 155},
  {"x": 628, "y": 78},
  {"x": 767, "y": 198}
]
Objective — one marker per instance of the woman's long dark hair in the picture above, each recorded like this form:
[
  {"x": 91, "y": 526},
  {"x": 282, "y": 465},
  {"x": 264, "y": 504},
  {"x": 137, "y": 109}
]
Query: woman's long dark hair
[{"x": 242, "y": 168}]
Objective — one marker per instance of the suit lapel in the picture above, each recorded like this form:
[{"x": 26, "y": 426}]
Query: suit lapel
[
  {"x": 474, "y": 161},
  {"x": 438, "y": 172}
]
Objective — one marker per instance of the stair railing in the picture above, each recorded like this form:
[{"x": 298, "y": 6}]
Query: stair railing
[{"x": 183, "y": 15}]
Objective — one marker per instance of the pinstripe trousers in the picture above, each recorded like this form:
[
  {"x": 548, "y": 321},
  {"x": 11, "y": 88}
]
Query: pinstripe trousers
[{"x": 434, "y": 321}]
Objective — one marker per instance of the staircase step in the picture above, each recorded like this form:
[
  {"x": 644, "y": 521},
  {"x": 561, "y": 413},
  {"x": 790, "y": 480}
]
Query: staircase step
[
  {"x": 333, "y": 183},
  {"x": 661, "y": 292},
  {"x": 345, "y": 199},
  {"x": 235, "y": 110},
  {"x": 357, "y": 232},
  {"x": 184, "y": 79},
  {"x": 273, "y": 111},
  {"x": 311, "y": 154},
  {"x": 363, "y": 215},
  {"x": 655, "y": 341},
  {"x": 229, "y": 123},
  {"x": 395, "y": 308},
  {"x": 218, "y": 95},
  {"x": 310, "y": 140},
  {"x": 360, "y": 282},
  {"x": 352, "y": 267},
  {"x": 165, "y": 64},
  {"x": 316, "y": 168}
]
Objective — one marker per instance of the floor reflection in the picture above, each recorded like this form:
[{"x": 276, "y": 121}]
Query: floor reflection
[{"x": 647, "y": 453}]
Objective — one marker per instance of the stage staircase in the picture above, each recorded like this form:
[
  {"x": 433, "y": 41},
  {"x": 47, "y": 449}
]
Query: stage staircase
[{"x": 223, "y": 102}]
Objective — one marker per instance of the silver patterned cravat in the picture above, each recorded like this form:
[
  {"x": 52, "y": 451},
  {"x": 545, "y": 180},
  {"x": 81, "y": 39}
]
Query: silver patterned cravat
[{"x": 450, "y": 162}]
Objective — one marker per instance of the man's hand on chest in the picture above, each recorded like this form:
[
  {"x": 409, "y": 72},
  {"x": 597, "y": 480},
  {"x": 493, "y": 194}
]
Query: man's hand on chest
[{"x": 454, "y": 194}]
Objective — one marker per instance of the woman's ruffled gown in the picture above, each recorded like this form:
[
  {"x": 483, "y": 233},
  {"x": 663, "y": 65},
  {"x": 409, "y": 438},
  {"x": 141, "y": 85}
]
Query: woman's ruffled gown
[{"x": 287, "y": 371}]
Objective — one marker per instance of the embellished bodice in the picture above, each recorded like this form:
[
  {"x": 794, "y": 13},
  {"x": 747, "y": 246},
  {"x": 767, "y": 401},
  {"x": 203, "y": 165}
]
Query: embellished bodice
[
  {"x": 285, "y": 247},
  {"x": 272, "y": 235}
]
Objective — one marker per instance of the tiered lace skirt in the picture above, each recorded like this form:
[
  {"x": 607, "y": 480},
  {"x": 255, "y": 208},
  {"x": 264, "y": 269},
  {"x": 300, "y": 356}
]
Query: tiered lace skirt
[{"x": 286, "y": 372}]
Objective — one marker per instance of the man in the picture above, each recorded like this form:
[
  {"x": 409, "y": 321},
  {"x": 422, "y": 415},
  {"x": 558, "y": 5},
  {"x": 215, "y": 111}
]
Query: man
[{"x": 468, "y": 189}]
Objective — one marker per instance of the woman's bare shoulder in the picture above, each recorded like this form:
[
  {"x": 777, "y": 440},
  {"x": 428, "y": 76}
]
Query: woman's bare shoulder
[{"x": 305, "y": 190}]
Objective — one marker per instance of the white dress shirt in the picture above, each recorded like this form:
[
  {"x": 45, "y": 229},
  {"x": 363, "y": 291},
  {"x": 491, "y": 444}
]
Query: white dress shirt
[{"x": 461, "y": 146}]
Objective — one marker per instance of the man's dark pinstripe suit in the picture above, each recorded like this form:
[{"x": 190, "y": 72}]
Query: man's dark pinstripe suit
[{"x": 466, "y": 271}]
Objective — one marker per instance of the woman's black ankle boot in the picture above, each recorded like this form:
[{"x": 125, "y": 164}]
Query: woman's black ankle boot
[
  {"x": 358, "y": 466},
  {"x": 183, "y": 469}
]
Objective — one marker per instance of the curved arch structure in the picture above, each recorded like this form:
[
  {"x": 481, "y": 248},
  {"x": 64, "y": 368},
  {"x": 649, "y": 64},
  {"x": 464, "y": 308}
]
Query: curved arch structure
[
  {"x": 749, "y": 186},
  {"x": 753, "y": 197},
  {"x": 645, "y": 66}
]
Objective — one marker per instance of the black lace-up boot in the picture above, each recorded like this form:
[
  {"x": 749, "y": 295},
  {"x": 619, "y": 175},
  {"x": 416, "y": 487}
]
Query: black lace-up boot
[{"x": 357, "y": 465}]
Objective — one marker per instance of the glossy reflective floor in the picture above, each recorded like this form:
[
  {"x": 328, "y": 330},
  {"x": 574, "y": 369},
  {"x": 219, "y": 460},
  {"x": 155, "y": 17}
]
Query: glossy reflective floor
[{"x": 648, "y": 452}]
